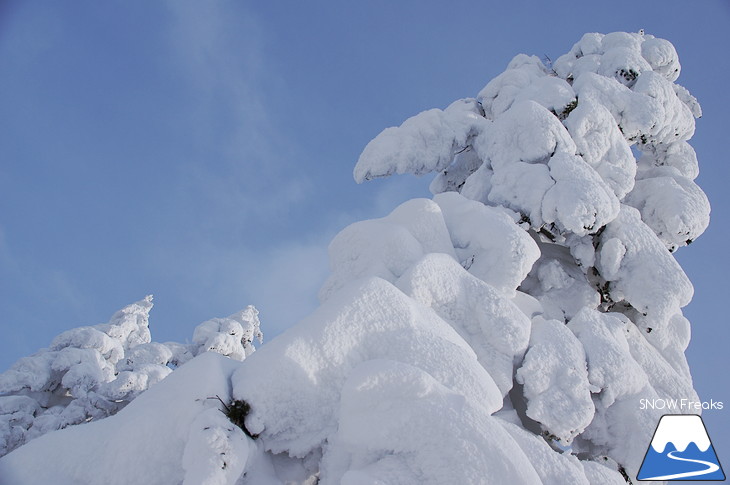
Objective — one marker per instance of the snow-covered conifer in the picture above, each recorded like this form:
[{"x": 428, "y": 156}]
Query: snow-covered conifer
[
  {"x": 76, "y": 378},
  {"x": 554, "y": 148},
  {"x": 232, "y": 336},
  {"x": 89, "y": 373}
]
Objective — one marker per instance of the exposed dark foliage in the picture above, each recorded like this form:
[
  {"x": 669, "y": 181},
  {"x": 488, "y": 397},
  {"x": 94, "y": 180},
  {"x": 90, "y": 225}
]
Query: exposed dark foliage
[
  {"x": 568, "y": 108},
  {"x": 236, "y": 411}
]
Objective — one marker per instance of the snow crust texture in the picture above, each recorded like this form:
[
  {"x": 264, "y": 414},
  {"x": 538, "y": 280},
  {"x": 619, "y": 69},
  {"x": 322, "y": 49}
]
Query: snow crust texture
[{"x": 504, "y": 331}]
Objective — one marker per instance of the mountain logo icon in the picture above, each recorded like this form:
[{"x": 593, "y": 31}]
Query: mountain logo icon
[{"x": 681, "y": 450}]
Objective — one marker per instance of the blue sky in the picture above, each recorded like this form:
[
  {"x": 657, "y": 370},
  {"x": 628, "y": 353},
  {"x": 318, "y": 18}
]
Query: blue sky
[{"x": 203, "y": 151}]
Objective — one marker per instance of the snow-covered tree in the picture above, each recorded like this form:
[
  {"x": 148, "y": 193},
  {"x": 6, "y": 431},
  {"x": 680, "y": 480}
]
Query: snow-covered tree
[
  {"x": 502, "y": 332},
  {"x": 89, "y": 373},
  {"x": 232, "y": 336},
  {"x": 552, "y": 146},
  {"x": 534, "y": 301}
]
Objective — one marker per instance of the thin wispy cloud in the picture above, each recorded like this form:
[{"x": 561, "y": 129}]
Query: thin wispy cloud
[
  {"x": 222, "y": 60},
  {"x": 224, "y": 239}
]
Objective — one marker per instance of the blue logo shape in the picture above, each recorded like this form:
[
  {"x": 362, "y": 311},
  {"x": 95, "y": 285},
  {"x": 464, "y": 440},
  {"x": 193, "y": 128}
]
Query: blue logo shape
[{"x": 681, "y": 450}]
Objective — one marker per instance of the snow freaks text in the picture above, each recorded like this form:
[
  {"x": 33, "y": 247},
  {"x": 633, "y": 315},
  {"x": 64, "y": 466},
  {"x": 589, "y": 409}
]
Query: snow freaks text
[{"x": 683, "y": 404}]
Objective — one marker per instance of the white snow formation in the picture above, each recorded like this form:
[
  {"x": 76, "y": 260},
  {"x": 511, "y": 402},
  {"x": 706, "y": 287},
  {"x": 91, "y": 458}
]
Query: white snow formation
[
  {"x": 503, "y": 332},
  {"x": 89, "y": 373}
]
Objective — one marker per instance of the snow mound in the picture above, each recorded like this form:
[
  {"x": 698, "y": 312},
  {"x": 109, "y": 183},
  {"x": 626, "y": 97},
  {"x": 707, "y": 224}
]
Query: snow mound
[
  {"x": 672, "y": 205},
  {"x": 386, "y": 247},
  {"x": 623, "y": 368},
  {"x": 497, "y": 329},
  {"x": 640, "y": 271},
  {"x": 555, "y": 380},
  {"x": 551, "y": 467},
  {"x": 526, "y": 78},
  {"x": 369, "y": 319},
  {"x": 531, "y": 165},
  {"x": 487, "y": 242},
  {"x": 172, "y": 433},
  {"x": 484, "y": 239},
  {"x": 398, "y": 424},
  {"x": 612, "y": 371},
  {"x": 561, "y": 287},
  {"x": 599, "y": 141}
]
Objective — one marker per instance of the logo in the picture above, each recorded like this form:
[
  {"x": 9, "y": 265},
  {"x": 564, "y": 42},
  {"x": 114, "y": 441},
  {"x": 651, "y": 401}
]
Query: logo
[{"x": 681, "y": 450}]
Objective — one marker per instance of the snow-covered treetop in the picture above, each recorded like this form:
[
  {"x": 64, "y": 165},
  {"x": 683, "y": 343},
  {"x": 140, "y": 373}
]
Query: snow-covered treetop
[
  {"x": 232, "y": 336},
  {"x": 553, "y": 142}
]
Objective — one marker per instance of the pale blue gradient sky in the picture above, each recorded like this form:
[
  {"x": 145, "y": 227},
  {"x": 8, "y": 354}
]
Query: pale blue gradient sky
[{"x": 203, "y": 151}]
